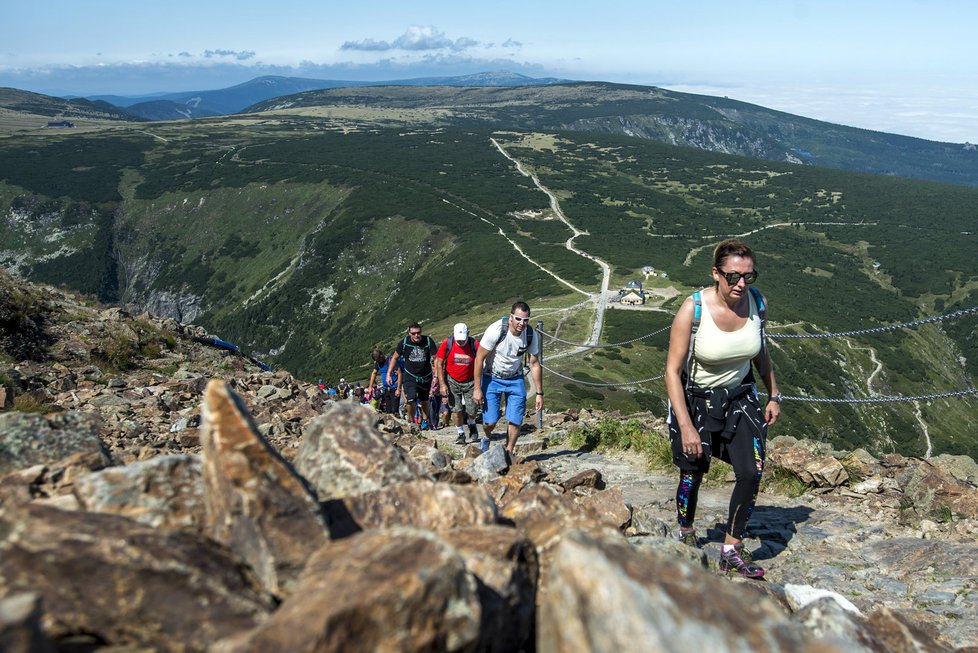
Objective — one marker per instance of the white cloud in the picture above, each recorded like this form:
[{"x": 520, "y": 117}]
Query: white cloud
[
  {"x": 238, "y": 55},
  {"x": 416, "y": 38},
  {"x": 366, "y": 45}
]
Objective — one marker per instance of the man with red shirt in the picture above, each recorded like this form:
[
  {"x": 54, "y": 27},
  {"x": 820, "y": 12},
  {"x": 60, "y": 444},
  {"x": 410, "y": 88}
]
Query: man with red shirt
[{"x": 455, "y": 367}]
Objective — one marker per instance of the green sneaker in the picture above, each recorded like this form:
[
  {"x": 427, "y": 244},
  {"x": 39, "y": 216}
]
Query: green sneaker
[{"x": 740, "y": 561}]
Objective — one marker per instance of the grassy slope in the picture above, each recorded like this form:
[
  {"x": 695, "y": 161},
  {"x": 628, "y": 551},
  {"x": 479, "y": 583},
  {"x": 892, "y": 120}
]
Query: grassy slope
[{"x": 365, "y": 230}]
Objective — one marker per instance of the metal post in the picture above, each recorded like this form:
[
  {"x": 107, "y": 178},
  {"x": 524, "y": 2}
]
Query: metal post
[{"x": 540, "y": 389}]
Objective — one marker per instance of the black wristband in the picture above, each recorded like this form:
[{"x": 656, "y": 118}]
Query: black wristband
[{"x": 539, "y": 394}]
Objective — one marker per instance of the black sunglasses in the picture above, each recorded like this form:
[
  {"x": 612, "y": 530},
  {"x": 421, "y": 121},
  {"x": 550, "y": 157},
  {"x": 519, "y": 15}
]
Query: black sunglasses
[{"x": 733, "y": 278}]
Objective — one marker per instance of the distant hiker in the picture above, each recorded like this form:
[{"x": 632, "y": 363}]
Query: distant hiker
[
  {"x": 714, "y": 409},
  {"x": 387, "y": 388},
  {"x": 358, "y": 393},
  {"x": 436, "y": 402},
  {"x": 499, "y": 373},
  {"x": 416, "y": 352},
  {"x": 322, "y": 386},
  {"x": 343, "y": 389},
  {"x": 455, "y": 368}
]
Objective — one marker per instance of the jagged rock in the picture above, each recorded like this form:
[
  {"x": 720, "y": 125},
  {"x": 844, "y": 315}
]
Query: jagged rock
[
  {"x": 489, "y": 465},
  {"x": 163, "y": 491},
  {"x": 30, "y": 439},
  {"x": 342, "y": 454},
  {"x": 505, "y": 566},
  {"x": 817, "y": 471},
  {"x": 932, "y": 490},
  {"x": 607, "y": 507},
  {"x": 431, "y": 459},
  {"x": 644, "y": 522},
  {"x": 256, "y": 503},
  {"x": 20, "y": 486},
  {"x": 885, "y": 631},
  {"x": 124, "y": 582},
  {"x": 590, "y": 478},
  {"x": 961, "y": 468},
  {"x": 388, "y": 590},
  {"x": 798, "y": 596},
  {"x": 20, "y": 625},
  {"x": 673, "y": 548},
  {"x": 422, "y": 504},
  {"x": 898, "y": 632},
  {"x": 660, "y": 605}
]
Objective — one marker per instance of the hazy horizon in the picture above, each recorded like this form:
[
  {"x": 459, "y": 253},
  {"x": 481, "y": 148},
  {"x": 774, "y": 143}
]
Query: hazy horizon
[{"x": 905, "y": 68}]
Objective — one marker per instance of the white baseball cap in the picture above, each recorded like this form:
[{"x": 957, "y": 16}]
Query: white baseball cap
[
  {"x": 342, "y": 380},
  {"x": 461, "y": 331}
]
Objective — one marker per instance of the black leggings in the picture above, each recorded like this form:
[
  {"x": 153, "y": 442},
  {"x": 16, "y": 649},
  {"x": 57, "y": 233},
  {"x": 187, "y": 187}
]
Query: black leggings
[{"x": 745, "y": 452}]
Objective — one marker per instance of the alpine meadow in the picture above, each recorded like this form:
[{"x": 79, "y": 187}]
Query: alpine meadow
[{"x": 312, "y": 228}]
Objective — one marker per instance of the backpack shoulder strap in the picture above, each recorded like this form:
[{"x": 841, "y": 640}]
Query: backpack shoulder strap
[
  {"x": 761, "y": 312},
  {"x": 697, "y": 314}
]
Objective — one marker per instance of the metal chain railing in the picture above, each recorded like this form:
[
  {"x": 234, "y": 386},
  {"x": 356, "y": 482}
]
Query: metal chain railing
[
  {"x": 883, "y": 400},
  {"x": 602, "y": 385},
  {"x": 603, "y": 344},
  {"x": 880, "y": 329}
]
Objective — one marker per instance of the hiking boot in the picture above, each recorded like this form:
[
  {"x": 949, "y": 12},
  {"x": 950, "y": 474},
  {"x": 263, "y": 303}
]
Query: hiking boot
[
  {"x": 424, "y": 425},
  {"x": 484, "y": 444},
  {"x": 740, "y": 561},
  {"x": 473, "y": 433},
  {"x": 460, "y": 439},
  {"x": 689, "y": 539}
]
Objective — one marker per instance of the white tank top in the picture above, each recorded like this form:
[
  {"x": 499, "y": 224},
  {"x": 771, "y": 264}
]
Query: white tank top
[{"x": 723, "y": 358}]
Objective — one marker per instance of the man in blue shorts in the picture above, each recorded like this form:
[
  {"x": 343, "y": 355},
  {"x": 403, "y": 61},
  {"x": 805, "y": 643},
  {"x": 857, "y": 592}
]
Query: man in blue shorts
[{"x": 499, "y": 373}]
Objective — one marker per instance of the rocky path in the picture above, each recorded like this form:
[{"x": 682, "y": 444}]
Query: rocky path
[{"x": 854, "y": 547}]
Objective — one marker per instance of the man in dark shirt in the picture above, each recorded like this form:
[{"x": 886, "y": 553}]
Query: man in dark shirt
[{"x": 416, "y": 352}]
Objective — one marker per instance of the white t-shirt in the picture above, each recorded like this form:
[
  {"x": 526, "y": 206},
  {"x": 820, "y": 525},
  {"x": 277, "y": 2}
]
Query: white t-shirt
[{"x": 506, "y": 357}]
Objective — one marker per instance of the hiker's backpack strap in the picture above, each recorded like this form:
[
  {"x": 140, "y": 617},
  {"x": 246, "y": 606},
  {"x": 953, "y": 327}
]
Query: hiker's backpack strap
[
  {"x": 761, "y": 312},
  {"x": 693, "y": 328}
]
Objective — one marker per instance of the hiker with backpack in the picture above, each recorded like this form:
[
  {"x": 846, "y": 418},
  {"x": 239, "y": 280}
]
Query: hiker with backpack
[
  {"x": 714, "y": 409},
  {"x": 455, "y": 367},
  {"x": 416, "y": 351},
  {"x": 384, "y": 387},
  {"x": 499, "y": 373}
]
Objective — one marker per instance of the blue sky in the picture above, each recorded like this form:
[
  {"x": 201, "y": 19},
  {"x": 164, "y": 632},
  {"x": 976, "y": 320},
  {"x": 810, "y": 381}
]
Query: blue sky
[{"x": 902, "y": 66}]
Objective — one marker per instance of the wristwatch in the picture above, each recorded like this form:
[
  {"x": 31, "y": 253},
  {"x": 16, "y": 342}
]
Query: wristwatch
[{"x": 777, "y": 398}]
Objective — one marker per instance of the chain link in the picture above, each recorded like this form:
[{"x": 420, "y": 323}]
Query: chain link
[
  {"x": 883, "y": 400},
  {"x": 881, "y": 329}
]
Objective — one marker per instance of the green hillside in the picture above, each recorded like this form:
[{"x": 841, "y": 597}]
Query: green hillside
[{"x": 310, "y": 236}]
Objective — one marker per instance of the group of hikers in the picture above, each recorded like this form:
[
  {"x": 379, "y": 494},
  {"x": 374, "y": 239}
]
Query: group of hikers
[
  {"x": 462, "y": 376},
  {"x": 716, "y": 342}
]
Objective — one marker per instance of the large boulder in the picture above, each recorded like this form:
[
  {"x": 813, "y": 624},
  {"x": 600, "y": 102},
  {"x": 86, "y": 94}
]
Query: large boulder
[
  {"x": 342, "y": 454},
  {"x": 125, "y": 583},
  {"x": 605, "y": 595},
  {"x": 256, "y": 503},
  {"x": 388, "y": 590},
  {"x": 422, "y": 504},
  {"x": 940, "y": 487},
  {"x": 163, "y": 491},
  {"x": 505, "y": 567},
  {"x": 28, "y": 439}
]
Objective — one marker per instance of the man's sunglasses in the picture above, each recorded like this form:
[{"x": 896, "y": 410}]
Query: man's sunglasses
[
  {"x": 733, "y": 278},
  {"x": 414, "y": 333},
  {"x": 520, "y": 319}
]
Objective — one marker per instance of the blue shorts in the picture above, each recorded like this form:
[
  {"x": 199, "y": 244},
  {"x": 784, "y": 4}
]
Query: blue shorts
[{"x": 515, "y": 390}]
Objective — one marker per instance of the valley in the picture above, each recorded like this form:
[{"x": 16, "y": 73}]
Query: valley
[{"x": 309, "y": 235}]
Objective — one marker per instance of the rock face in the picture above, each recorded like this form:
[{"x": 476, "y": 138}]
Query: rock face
[
  {"x": 365, "y": 594},
  {"x": 342, "y": 454},
  {"x": 37, "y": 439},
  {"x": 256, "y": 504},
  {"x": 150, "y": 587}
]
